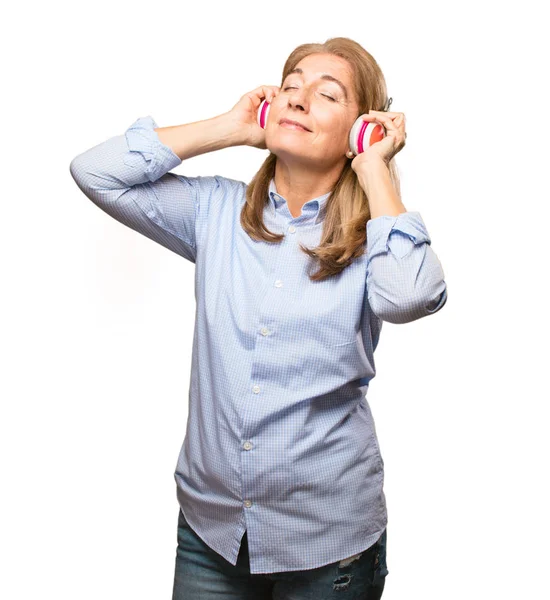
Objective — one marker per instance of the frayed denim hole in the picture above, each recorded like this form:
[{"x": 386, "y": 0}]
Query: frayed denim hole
[{"x": 380, "y": 563}]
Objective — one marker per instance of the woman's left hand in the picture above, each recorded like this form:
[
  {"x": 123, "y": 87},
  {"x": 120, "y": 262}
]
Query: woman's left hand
[{"x": 387, "y": 148}]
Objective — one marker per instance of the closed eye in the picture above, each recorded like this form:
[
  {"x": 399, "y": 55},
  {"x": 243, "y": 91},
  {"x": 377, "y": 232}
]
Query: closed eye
[{"x": 325, "y": 95}]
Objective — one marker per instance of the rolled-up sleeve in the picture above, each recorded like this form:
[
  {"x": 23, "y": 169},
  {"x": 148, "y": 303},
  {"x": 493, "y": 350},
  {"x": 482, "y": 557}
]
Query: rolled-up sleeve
[
  {"x": 127, "y": 177},
  {"x": 405, "y": 279}
]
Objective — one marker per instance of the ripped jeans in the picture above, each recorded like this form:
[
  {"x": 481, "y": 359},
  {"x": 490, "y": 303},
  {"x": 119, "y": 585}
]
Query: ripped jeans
[{"x": 202, "y": 573}]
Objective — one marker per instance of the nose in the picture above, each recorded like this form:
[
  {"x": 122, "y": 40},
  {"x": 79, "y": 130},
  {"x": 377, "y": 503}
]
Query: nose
[{"x": 298, "y": 99}]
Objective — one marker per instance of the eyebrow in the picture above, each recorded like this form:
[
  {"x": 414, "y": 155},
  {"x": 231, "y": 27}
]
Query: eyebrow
[{"x": 324, "y": 76}]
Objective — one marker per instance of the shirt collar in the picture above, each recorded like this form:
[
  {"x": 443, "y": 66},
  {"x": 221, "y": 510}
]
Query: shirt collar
[{"x": 314, "y": 209}]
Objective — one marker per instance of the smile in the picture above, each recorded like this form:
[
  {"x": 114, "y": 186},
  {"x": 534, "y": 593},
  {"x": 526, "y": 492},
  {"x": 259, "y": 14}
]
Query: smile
[{"x": 292, "y": 126}]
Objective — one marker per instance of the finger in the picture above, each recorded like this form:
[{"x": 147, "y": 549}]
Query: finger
[
  {"x": 384, "y": 117},
  {"x": 387, "y": 123},
  {"x": 391, "y": 124},
  {"x": 274, "y": 91},
  {"x": 262, "y": 92},
  {"x": 269, "y": 92},
  {"x": 386, "y": 112},
  {"x": 398, "y": 118}
]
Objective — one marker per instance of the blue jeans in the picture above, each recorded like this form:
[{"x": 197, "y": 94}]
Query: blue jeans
[{"x": 202, "y": 574}]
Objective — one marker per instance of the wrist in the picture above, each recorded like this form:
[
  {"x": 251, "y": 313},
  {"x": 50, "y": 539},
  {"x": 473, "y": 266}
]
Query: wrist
[
  {"x": 382, "y": 196},
  {"x": 231, "y": 132},
  {"x": 373, "y": 168}
]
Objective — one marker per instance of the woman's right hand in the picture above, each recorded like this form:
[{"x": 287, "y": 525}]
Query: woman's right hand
[{"x": 245, "y": 115}]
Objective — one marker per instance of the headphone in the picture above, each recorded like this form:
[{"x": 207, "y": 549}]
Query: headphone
[{"x": 362, "y": 134}]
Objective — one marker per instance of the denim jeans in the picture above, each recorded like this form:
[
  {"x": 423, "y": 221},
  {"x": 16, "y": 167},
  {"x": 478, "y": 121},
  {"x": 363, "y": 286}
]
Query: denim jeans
[{"x": 202, "y": 574}]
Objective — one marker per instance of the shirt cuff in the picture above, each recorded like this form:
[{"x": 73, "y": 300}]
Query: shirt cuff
[
  {"x": 141, "y": 137},
  {"x": 380, "y": 229}
]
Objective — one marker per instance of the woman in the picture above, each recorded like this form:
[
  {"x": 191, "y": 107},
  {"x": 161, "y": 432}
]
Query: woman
[{"x": 280, "y": 476}]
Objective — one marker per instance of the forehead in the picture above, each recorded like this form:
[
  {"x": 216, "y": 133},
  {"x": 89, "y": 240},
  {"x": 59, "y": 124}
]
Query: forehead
[{"x": 320, "y": 64}]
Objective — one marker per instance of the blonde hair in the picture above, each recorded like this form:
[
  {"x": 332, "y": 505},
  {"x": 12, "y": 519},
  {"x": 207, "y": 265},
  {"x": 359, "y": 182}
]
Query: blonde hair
[{"x": 347, "y": 212}]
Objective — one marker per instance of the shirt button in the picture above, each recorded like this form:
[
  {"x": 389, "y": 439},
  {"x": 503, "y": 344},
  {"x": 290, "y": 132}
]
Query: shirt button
[
  {"x": 292, "y": 229},
  {"x": 265, "y": 330},
  {"x": 247, "y": 445},
  {"x": 278, "y": 283},
  {"x": 248, "y": 503},
  {"x": 256, "y": 389}
]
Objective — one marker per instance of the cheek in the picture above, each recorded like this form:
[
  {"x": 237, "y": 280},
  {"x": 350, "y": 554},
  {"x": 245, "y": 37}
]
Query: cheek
[
  {"x": 338, "y": 130},
  {"x": 329, "y": 121}
]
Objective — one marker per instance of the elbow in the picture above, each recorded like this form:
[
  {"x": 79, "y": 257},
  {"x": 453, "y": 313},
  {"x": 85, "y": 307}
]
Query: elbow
[
  {"x": 404, "y": 309},
  {"x": 87, "y": 183},
  {"x": 438, "y": 302},
  {"x": 80, "y": 173},
  {"x": 81, "y": 176},
  {"x": 75, "y": 169}
]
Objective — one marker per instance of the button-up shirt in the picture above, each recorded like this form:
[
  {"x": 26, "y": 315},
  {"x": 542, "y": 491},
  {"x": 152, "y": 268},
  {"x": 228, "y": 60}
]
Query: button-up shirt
[{"x": 280, "y": 437}]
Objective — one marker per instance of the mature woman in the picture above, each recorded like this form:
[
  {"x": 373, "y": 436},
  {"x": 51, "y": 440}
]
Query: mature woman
[{"x": 280, "y": 476}]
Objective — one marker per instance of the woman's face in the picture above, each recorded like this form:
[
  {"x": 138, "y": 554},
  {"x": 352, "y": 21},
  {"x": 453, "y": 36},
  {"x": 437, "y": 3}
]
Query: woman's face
[{"x": 325, "y": 107}]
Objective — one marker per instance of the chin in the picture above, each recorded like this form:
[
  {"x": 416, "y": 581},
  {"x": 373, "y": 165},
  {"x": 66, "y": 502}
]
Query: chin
[{"x": 295, "y": 147}]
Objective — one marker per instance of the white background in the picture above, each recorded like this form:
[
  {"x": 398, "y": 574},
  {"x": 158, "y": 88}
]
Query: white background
[{"x": 97, "y": 320}]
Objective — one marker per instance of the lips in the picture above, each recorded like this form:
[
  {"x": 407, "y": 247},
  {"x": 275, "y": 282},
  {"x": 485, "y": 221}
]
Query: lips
[{"x": 291, "y": 122}]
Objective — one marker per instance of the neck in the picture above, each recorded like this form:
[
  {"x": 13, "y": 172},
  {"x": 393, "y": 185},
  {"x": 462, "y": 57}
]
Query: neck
[{"x": 299, "y": 185}]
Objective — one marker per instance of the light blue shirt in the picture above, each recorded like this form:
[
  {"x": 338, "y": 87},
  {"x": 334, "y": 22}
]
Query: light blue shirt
[{"x": 280, "y": 438}]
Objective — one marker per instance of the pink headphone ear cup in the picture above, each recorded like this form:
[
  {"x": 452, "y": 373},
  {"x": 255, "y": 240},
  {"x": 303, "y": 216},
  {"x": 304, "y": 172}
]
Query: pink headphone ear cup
[
  {"x": 263, "y": 112},
  {"x": 364, "y": 134}
]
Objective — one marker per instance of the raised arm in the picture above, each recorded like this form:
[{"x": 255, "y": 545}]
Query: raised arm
[
  {"x": 127, "y": 177},
  {"x": 405, "y": 280}
]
